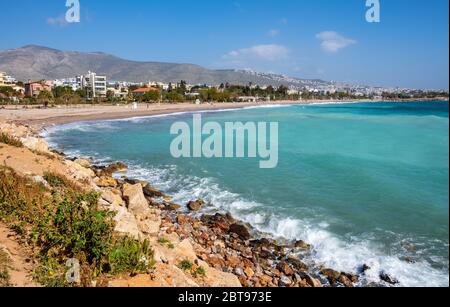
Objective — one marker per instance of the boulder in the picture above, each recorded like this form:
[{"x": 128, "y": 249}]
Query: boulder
[
  {"x": 106, "y": 182},
  {"x": 83, "y": 162},
  {"x": 150, "y": 191},
  {"x": 195, "y": 205},
  {"x": 285, "y": 281},
  {"x": 126, "y": 223},
  {"x": 285, "y": 268},
  {"x": 150, "y": 222},
  {"x": 343, "y": 279},
  {"x": 388, "y": 279},
  {"x": 135, "y": 199},
  {"x": 35, "y": 144},
  {"x": 302, "y": 245},
  {"x": 241, "y": 230},
  {"x": 311, "y": 281},
  {"x": 112, "y": 198}
]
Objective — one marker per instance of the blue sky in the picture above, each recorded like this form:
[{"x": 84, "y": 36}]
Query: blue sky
[{"x": 327, "y": 39}]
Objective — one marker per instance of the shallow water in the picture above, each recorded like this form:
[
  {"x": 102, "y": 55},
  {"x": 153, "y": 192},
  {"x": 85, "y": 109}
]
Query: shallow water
[{"x": 359, "y": 181}]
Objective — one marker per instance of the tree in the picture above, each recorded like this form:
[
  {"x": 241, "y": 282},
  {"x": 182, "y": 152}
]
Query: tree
[
  {"x": 45, "y": 97},
  {"x": 151, "y": 96}
]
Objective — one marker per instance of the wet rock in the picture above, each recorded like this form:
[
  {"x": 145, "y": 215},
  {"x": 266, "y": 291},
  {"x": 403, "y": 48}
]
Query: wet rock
[
  {"x": 241, "y": 230},
  {"x": 302, "y": 245},
  {"x": 195, "y": 205},
  {"x": 388, "y": 279},
  {"x": 238, "y": 272},
  {"x": 150, "y": 191},
  {"x": 363, "y": 269},
  {"x": 285, "y": 268},
  {"x": 110, "y": 169},
  {"x": 343, "y": 279},
  {"x": 408, "y": 246},
  {"x": 311, "y": 281},
  {"x": 285, "y": 281},
  {"x": 172, "y": 207},
  {"x": 296, "y": 263}
]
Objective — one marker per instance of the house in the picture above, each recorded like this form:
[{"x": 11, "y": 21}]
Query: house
[
  {"x": 6, "y": 80},
  {"x": 34, "y": 88},
  {"x": 95, "y": 85},
  {"x": 144, "y": 90}
]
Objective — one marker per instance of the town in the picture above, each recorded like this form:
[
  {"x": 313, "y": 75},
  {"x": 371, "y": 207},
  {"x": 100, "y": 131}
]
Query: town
[{"x": 93, "y": 88}]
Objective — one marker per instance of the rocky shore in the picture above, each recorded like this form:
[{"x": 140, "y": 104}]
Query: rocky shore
[{"x": 190, "y": 248}]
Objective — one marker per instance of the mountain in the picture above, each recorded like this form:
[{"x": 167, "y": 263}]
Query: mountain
[{"x": 37, "y": 62}]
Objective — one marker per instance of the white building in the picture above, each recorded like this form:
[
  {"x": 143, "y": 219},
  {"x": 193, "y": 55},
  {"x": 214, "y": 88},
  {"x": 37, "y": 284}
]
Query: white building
[
  {"x": 6, "y": 80},
  {"x": 94, "y": 85}
]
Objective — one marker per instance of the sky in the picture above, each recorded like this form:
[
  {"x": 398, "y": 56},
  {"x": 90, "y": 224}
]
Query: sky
[{"x": 324, "y": 39}]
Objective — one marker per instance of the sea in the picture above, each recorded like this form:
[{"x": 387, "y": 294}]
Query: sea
[{"x": 364, "y": 183}]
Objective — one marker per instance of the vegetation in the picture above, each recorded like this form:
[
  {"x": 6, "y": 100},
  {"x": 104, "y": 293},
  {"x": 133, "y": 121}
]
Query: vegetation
[
  {"x": 4, "y": 267},
  {"x": 186, "y": 265},
  {"x": 9, "y": 140},
  {"x": 64, "y": 223}
]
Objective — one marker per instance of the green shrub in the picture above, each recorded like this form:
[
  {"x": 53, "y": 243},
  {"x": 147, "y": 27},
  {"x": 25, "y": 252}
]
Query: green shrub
[
  {"x": 130, "y": 256},
  {"x": 199, "y": 272},
  {"x": 186, "y": 265}
]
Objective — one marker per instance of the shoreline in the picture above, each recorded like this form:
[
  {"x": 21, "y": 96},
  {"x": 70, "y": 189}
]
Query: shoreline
[
  {"x": 39, "y": 119},
  {"x": 278, "y": 258}
]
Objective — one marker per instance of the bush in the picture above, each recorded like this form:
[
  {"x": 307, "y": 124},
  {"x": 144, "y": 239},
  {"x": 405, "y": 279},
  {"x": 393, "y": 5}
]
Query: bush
[
  {"x": 130, "y": 256},
  {"x": 186, "y": 265},
  {"x": 10, "y": 140},
  {"x": 67, "y": 224}
]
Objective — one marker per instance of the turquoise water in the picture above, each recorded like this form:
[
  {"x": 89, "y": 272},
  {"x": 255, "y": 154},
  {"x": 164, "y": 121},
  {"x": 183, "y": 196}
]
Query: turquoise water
[{"x": 361, "y": 182}]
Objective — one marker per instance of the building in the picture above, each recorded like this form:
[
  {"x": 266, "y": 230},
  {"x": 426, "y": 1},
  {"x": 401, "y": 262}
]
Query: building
[
  {"x": 144, "y": 90},
  {"x": 94, "y": 84},
  {"x": 6, "y": 80},
  {"x": 34, "y": 88}
]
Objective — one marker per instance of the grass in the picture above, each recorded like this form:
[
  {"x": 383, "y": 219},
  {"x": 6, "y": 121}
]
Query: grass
[
  {"x": 65, "y": 223},
  {"x": 199, "y": 272},
  {"x": 4, "y": 266},
  {"x": 165, "y": 242},
  {"x": 10, "y": 140},
  {"x": 196, "y": 272}
]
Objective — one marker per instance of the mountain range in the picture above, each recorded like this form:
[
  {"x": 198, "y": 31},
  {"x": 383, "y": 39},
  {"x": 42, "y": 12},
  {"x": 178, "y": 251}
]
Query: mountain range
[{"x": 37, "y": 62}]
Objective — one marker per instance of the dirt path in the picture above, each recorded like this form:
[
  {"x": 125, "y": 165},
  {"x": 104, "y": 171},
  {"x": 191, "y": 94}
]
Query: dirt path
[{"x": 20, "y": 264}]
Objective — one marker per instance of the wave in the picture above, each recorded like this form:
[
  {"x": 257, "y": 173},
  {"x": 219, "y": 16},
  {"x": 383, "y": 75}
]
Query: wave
[{"x": 328, "y": 249}]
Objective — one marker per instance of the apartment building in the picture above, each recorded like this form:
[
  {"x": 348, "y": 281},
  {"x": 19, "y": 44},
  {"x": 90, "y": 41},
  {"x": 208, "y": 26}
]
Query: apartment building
[{"x": 95, "y": 85}]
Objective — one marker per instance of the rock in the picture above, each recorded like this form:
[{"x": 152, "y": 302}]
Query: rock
[
  {"x": 83, "y": 162},
  {"x": 112, "y": 198},
  {"x": 126, "y": 223},
  {"x": 345, "y": 281},
  {"x": 241, "y": 230},
  {"x": 195, "y": 205},
  {"x": 363, "y": 269},
  {"x": 111, "y": 169},
  {"x": 330, "y": 274},
  {"x": 238, "y": 272},
  {"x": 296, "y": 263},
  {"x": 106, "y": 182},
  {"x": 408, "y": 246},
  {"x": 249, "y": 272},
  {"x": 285, "y": 281},
  {"x": 388, "y": 279},
  {"x": 150, "y": 226},
  {"x": 150, "y": 191},
  {"x": 285, "y": 268},
  {"x": 79, "y": 172},
  {"x": 172, "y": 207},
  {"x": 135, "y": 199},
  {"x": 302, "y": 245},
  {"x": 311, "y": 281},
  {"x": 35, "y": 144},
  {"x": 41, "y": 180}
]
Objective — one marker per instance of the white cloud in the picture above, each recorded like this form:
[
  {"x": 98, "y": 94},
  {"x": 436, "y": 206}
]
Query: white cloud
[
  {"x": 57, "y": 21},
  {"x": 259, "y": 52},
  {"x": 273, "y": 33},
  {"x": 332, "y": 41}
]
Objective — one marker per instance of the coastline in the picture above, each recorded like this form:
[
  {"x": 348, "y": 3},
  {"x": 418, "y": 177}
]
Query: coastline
[
  {"x": 220, "y": 241},
  {"x": 40, "y": 118}
]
